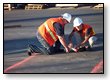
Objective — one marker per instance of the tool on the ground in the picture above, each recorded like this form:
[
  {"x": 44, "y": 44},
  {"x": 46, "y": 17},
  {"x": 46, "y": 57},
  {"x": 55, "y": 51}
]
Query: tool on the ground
[{"x": 75, "y": 50}]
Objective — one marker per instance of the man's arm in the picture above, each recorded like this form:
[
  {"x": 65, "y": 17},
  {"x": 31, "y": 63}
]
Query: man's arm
[
  {"x": 60, "y": 33},
  {"x": 87, "y": 36},
  {"x": 63, "y": 42}
]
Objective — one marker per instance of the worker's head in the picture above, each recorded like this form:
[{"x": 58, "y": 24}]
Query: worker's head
[
  {"x": 67, "y": 17},
  {"x": 77, "y": 23}
]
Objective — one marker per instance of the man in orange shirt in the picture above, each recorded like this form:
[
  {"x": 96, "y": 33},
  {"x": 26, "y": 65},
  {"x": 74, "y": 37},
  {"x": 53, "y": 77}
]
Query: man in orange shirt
[
  {"x": 51, "y": 36},
  {"x": 86, "y": 33}
]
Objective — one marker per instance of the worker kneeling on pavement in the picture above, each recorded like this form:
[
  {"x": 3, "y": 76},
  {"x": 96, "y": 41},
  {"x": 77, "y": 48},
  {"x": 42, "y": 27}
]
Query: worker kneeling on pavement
[
  {"x": 51, "y": 35},
  {"x": 86, "y": 33}
]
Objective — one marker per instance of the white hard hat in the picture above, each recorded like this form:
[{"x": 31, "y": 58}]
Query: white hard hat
[
  {"x": 67, "y": 16},
  {"x": 77, "y": 21}
]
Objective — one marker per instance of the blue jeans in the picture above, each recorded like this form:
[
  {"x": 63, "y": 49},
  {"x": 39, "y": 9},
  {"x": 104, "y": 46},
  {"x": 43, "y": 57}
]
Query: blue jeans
[{"x": 46, "y": 47}]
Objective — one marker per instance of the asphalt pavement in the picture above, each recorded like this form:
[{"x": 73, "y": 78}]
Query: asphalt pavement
[{"x": 16, "y": 40}]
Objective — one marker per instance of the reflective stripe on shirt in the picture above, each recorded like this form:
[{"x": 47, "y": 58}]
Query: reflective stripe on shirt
[{"x": 50, "y": 32}]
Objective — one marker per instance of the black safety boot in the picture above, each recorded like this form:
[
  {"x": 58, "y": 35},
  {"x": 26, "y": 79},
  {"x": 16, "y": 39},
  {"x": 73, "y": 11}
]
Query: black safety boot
[
  {"x": 36, "y": 49},
  {"x": 30, "y": 51}
]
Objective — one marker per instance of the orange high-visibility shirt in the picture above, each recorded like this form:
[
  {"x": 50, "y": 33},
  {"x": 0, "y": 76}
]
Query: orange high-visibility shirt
[
  {"x": 85, "y": 27},
  {"x": 47, "y": 30}
]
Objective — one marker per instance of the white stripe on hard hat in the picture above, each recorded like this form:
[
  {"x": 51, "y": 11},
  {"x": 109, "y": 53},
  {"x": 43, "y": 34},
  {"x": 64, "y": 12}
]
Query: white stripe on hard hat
[
  {"x": 77, "y": 21},
  {"x": 67, "y": 16}
]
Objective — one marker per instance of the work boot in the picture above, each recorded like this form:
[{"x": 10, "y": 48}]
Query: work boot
[
  {"x": 31, "y": 50},
  {"x": 29, "y": 53},
  {"x": 36, "y": 49}
]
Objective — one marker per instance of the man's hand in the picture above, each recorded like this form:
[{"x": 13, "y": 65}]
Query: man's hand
[
  {"x": 67, "y": 50},
  {"x": 74, "y": 49},
  {"x": 63, "y": 42},
  {"x": 71, "y": 47}
]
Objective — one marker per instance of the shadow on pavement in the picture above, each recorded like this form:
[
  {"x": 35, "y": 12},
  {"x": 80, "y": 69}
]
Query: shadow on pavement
[{"x": 100, "y": 38}]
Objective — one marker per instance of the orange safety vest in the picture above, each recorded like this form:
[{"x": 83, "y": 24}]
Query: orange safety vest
[
  {"x": 47, "y": 30},
  {"x": 84, "y": 29}
]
